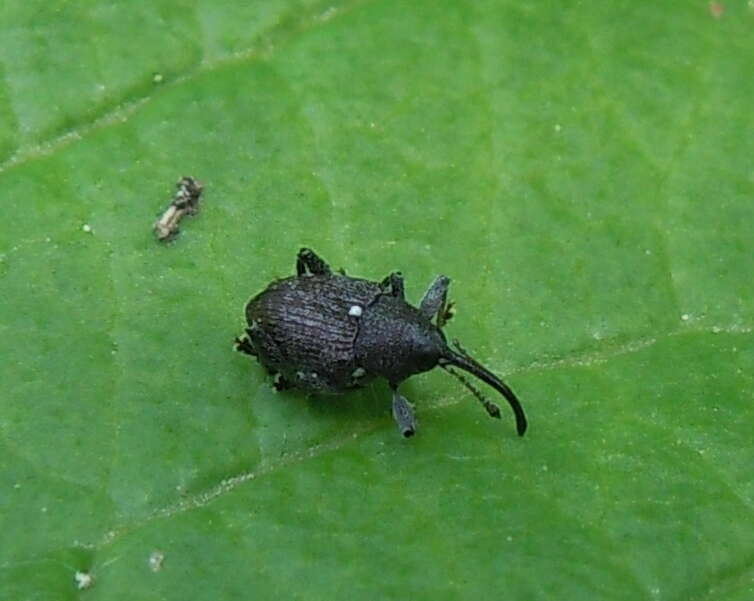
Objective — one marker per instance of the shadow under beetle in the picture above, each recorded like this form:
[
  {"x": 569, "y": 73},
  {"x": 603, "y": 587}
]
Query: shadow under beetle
[{"x": 327, "y": 332}]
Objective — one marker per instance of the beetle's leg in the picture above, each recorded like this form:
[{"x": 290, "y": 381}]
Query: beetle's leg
[
  {"x": 394, "y": 284},
  {"x": 281, "y": 383},
  {"x": 403, "y": 414},
  {"x": 308, "y": 262},
  {"x": 435, "y": 300},
  {"x": 243, "y": 345}
]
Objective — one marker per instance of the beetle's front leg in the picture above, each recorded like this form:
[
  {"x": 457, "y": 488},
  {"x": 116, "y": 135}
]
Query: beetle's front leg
[
  {"x": 394, "y": 285},
  {"x": 435, "y": 301},
  {"x": 308, "y": 262},
  {"x": 403, "y": 414}
]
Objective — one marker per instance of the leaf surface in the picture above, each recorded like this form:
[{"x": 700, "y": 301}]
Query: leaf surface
[{"x": 582, "y": 173}]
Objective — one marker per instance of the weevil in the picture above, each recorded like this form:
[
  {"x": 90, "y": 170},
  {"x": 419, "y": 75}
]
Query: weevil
[{"x": 326, "y": 332}]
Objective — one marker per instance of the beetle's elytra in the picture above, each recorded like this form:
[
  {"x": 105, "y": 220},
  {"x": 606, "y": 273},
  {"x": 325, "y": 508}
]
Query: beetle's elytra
[{"x": 320, "y": 331}]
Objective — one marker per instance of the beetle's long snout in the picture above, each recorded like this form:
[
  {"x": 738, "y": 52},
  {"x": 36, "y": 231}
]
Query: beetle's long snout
[{"x": 467, "y": 363}]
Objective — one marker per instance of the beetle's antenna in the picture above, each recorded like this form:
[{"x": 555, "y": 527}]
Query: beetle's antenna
[
  {"x": 491, "y": 408},
  {"x": 460, "y": 358}
]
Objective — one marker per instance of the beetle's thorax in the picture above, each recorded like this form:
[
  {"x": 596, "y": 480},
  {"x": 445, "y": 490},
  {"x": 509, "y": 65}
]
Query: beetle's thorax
[{"x": 395, "y": 341}]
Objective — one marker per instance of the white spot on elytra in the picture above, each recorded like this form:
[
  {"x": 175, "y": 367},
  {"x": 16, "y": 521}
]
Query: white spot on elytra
[
  {"x": 83, "y": 580},
  {"x": 355, "y": 311},
  {"x": 359, "y": 372},
  {"x": 155, "y": 560}
]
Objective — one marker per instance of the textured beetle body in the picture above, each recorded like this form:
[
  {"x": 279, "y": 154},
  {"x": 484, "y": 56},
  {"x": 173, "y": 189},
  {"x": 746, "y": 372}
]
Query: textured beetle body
[
  {"x": 301, "y": 328},
  {"x": 396, "y": 341},
  {"x": 325, "y": 332}
]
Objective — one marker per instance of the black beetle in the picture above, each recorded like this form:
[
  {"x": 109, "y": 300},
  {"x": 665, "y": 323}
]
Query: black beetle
[{"x": 321, "y": 331}]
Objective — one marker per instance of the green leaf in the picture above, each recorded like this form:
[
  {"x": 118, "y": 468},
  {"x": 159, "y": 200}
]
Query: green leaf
[{"x": 582, "y": 173}]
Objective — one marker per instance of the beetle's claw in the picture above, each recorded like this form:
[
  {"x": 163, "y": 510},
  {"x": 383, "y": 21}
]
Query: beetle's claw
[
  {"x": 281, "y": 383},
  {"x": 243, "y": 345},
  {"x": 447, "y": 313}
]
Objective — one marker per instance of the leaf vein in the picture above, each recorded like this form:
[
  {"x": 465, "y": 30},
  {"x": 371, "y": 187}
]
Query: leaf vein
[{"x": 123, "y": 111}]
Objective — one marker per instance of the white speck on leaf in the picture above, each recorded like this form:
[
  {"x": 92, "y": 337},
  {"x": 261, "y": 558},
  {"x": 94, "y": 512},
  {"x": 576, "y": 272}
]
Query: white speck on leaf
[
  {"x": 87, "y": 228},
  {"x": 685, "y": 317},
  {"x": 155, "y": 560},
  {"x": 83, "y": 580}
]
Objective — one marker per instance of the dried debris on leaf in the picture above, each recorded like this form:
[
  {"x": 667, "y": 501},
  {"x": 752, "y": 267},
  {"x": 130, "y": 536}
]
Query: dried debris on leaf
[{"x": 186, "y": 202}]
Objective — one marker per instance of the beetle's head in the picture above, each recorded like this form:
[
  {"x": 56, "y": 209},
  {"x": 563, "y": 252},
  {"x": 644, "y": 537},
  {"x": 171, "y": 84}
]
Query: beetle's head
[{"x": 428, "y": 347}]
